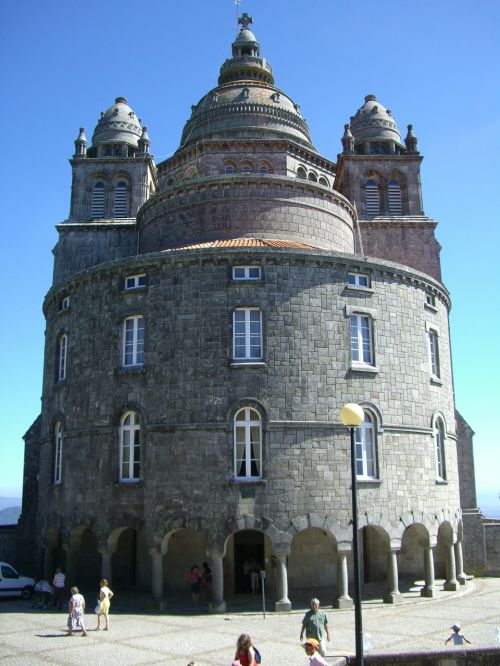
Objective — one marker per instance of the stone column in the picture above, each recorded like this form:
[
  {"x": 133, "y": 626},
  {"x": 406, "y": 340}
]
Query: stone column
[
  {"x": 343, "y": 599},
  {"x": 48, "y": 564},
  {"x": 106, "y": 569},
  {"x": 461, "y": 575},
  {"x": 429, "y": 588},
  {"x": 283, "y": 602},
  {"x": 157, "y": 576},
  {"x": 392, "y": 595},
  {"x": 217, "y": 605},
  {"x": 451, "y": 583}
]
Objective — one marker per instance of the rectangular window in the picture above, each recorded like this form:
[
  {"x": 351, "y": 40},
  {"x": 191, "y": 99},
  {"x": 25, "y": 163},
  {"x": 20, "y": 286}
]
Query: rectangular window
[
  {"x": 64, "y": 303},
  {"x": 135, "y": 281},
  {"x": 63, "y": 357},
  {"x": 430, "y": 299},
  {"x": 358, "y": 279},
  {"x": 58, "y": 455},
  {"x": 133, "y": 341},
  {"x": 247, "y": 334},
  {"x": 246, "y": 273},
  {"x": 365, "y": 450},
  {"x": 434, "y": 353},
  {"x": 361, "y": 340}
]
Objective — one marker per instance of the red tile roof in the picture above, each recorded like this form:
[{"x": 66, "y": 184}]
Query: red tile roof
[{"x": 244, "y": 242}]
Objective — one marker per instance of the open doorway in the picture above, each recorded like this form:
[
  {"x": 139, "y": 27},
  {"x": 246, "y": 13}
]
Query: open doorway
[{"x": 248, "y": 556}]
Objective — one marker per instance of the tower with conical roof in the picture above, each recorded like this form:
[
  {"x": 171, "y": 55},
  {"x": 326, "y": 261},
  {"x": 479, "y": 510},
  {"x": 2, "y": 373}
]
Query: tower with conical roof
[{"x": 381, "y": 175}]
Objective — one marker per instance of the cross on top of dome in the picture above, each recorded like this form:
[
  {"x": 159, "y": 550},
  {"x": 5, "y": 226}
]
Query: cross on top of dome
[{"x": 245, "y": 20}]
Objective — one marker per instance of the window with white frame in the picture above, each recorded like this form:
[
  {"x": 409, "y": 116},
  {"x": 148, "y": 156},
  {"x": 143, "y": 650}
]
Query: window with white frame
[
  {"x": 62, "y": 357},
  {"x": 372, "y": 198},
  {"x": 57, "y": 455},
  {"x": 120, "y": 200},
  {"x": 130, "y": 447},
  {"x": 439, "y": 438},
  {"x": 247, "y": 334},
  {"x": 135, "y": 281},
  {"x": 247, "y": 273},
  {"x": 433, "y": 339},
  {"x": 133, "y": 341},
  {"x": 64, "y": 303},
  {"x": 430, "y": 299},
  {"x": 97, "y": 201},
  {"x": 358, "y": 279},
  {"x": 247, "y": 444},
  {"x": 361, "y": 339},
  {"x": 366, "y": 459}
]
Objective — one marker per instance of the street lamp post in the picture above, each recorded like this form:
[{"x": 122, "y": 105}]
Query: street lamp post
[{"x": 352, "y": 416}]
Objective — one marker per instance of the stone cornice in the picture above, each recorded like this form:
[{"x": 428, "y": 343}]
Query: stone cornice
[{"x": 313, "y": 257}]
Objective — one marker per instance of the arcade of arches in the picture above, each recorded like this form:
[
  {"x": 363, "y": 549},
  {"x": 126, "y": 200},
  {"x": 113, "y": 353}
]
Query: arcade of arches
[{"x": 314, "y": 555}]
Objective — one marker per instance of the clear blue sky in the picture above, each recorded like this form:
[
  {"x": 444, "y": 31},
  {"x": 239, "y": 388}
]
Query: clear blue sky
[{"x": 433, "y": 63}]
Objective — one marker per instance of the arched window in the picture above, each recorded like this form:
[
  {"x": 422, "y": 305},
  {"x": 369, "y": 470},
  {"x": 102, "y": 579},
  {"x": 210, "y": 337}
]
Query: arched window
[
  {"x": 366, "y": 463},
  {"x": 312, "y": 176},
  {"x": 439, "y": 438},
  {"x": 301, "y": 172},
  {"x": 229, "y": 168},
  {"x": 323, "y": 181},
  {"x": 394, "y": 196},
  {"x": 57, "y": 454},
  {"x": 62, "y": 357},
  {"x": 247, "y": 444},
  {"x": 120, "y": 201},
  {"x": 97, "y": 201},
  {"x": 133, "y": 341},
  {"x": 247, "y": 167},
  {"x": 372, "y": 198},
  {"x": 130, "y": 447}
]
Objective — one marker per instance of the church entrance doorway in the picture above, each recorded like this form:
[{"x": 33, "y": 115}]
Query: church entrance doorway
[{"x": 248, "y": 557}]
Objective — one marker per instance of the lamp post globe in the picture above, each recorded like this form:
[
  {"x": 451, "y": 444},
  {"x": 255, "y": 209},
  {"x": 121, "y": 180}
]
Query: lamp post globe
[{"x": 352, "y": 414}]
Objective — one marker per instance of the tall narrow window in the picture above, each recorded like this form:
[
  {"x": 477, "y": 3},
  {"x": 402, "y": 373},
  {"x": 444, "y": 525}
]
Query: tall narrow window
[
  {"x": 372, "y": 198},
  {"x": 120, "y": 202},
  {"x": 57, "y": 455},
  {"x": 361, "y": 339},
  {"x": 366, "y": 467},
  {"x": 97, "y": 201},
  {"x": 130, "y": 447},
  {"x": 133, "y": 341},
  {"x": 434, "y": 353},
  {"x": 439, "y": 438},
  {"x": 62, "y": 357},
  {"x": 247, "y": 444},
  {"x": 394, "y": 195},
  {"x": 247, "y": 334}
]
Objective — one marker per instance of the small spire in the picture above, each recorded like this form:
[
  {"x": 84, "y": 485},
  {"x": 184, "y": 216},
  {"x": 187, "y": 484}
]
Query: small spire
[
  {"x": 81, "y": 144},
  {"x": 144, "y": 142},
  {"x": 411, "y": 142},
  {"x": 348, "y": 140}
]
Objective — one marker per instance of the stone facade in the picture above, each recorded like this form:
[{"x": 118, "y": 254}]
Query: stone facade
[{"x": 201, "y": 344}]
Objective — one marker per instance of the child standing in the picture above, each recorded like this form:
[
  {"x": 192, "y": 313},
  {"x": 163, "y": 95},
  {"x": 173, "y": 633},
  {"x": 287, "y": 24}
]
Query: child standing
[{"x": 456, "y": 636}]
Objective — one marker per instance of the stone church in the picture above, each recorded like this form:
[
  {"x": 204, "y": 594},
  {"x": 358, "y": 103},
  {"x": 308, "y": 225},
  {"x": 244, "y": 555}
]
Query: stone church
[{"x": 208, "y": 318}]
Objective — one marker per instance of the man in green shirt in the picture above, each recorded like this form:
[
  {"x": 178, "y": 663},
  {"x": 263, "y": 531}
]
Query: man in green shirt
[{"x": 315, "y": 625}]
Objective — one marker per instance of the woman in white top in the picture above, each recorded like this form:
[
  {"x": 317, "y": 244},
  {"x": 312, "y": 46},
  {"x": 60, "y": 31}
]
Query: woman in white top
[{"x": 105, "y": 595}]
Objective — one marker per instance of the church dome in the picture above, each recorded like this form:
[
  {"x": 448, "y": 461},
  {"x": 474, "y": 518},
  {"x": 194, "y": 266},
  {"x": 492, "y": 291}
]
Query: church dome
[
  {"x": 246, "y": 104},
  {"x": 119, "y": 124},
  {"x": 373, "y": 122}
]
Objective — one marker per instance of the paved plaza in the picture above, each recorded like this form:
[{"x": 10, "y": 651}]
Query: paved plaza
[{"x": 31, "y": 637}]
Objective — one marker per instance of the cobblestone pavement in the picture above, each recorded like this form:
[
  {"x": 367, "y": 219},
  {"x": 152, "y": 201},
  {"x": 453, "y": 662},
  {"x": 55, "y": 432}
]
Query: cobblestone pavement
[{"x": 31, "y": 637}]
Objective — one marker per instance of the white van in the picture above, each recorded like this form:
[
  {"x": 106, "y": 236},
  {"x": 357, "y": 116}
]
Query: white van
[{"x": 14, "y": 585}]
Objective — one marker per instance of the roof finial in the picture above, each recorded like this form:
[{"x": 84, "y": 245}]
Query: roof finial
[{"x": 245, "y": 20}]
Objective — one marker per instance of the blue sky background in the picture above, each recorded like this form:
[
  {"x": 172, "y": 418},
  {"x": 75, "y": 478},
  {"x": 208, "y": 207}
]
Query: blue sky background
[{"x": 433, "y": 63}]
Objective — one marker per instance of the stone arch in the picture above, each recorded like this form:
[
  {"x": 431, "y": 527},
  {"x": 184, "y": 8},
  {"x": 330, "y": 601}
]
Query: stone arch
[
  {"x": 245, "y": 550},
  {"x": 375, "y": 543},
  {"x": 312, "y": 562},
  {"x": 182, "y": 547},
  {"x": 411, "y": 556},
  {"x": 83, "y": 557},
  {"x": 446, "y": 537}
]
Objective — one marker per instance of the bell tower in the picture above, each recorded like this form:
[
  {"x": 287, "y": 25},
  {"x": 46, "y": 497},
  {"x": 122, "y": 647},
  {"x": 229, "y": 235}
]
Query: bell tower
[{"x": 381, "y": 175}]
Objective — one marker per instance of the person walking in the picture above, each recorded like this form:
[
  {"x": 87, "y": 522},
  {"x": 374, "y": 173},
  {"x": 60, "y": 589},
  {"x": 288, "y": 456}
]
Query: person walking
[
  {"x": 315, "y": 625},
  {"x": 311, "y": 646},
  {"x": 103, "y": 606},
  {"x": 76, "y": 612},
  {"x": 456, "y": 636},
  {"x": 59, "y": 583},
  {"x": 245, "y": 655}
]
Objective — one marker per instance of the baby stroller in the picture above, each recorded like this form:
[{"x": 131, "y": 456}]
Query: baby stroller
[{"x": 44, "y": 595}]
